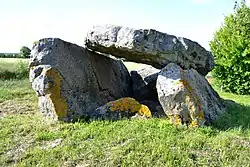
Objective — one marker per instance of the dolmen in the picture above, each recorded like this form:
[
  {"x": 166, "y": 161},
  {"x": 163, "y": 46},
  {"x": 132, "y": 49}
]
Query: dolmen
[{"x": 74, "y": 82}]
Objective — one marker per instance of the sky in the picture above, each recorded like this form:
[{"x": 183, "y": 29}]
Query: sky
[{"x": 26, "y": 21}]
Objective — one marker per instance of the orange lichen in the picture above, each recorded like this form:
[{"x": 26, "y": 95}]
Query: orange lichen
[
  {"x": 193, "y": 104},
  {"x": 129, "y": 105},
  {"x": 59, "y": 102},
  {"x": 194, "y": 123},
  {"x": 175, "y": 119},
  {"x": 144, "y": 110}
]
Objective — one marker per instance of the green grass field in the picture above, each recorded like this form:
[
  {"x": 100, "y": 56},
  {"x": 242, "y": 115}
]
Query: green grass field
[
  {"x": 26, "y": 139},
  {"x": 11, "y": 63}
]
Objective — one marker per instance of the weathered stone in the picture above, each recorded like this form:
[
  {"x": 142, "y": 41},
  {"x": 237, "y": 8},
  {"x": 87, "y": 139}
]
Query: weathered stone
[
  {"x": 155, "y": 108},
  {"x": 144, "y": 88},
  {"x": 144, "y": 83},
  {"x": 71, "y": 81},
  {"x": 124, "y": 107},
  {"x": 187, "y": 97},
  {"x": 149, "y": 46}
]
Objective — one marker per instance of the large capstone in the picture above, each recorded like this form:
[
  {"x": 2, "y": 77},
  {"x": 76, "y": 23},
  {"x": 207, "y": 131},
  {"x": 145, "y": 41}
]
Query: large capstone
[
  {"x": 149, "y": 46},
  {"x": 71, "y": 82},
  {"x": 187, "y": 97}
]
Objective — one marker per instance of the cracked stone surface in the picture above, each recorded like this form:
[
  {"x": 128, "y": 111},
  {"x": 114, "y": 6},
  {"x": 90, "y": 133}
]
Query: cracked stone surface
[
  {"x": 71, "y": 82},
  {"x": 187, "y": 97},
  {"x": 149, "y": 46}
]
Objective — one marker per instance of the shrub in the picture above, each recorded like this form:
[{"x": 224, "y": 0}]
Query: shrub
[
  {"x": 231, "y": 50},
  {"x": 21, "y": 71},
  {"x": 2, "y": 55}
]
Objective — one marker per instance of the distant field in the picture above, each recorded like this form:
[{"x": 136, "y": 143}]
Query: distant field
[
  {"x": 135, "y": 66},
  {"x": 11, "y": 63}
]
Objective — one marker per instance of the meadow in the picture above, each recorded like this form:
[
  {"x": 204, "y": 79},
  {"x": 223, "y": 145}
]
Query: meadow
[{"x": 26, "y": 139}]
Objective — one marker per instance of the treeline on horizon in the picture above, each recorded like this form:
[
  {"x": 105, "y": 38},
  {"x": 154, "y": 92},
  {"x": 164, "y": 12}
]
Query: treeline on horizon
[
  {"x": 24, "y": 53},
  {"x": 10, "y": 55}
]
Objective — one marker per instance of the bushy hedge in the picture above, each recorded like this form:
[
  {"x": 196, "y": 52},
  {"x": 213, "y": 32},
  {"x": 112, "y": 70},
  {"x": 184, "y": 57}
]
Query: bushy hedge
[
  {"x": 231, "y": 49},
  {"x": 10, "y": 55},
  {"x": 21, "y": 71}
]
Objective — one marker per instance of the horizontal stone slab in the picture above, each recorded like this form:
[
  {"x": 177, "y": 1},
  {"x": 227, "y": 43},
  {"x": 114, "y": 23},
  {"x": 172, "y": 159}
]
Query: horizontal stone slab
[{"x": 149, "y": 46}]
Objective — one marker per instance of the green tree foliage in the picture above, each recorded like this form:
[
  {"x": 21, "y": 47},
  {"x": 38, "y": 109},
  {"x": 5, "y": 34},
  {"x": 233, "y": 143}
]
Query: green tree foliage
[
  {"x": 25, "y": 52},
  {"x": 231, "y": 50},
  {"x": 2, "y": 55}
]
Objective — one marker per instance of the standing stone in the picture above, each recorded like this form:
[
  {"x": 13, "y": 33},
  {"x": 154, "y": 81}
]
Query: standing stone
[
  {"x": 144, "y": 83},
  {"x": 149, "y": 46},
  {"x": 187, "y": 97},
  {"x": 144, "y": 88},
  {"x": 155, "y": 108},
  {"x": 71, "y": 82}
]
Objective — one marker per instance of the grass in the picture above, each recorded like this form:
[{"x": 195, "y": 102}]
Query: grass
[
  {"x": 26, "y": 139},
  {"x": 11, "y": 63},
  {"x": 11, "y": 68},
  {"x": 12, "y": 89}
]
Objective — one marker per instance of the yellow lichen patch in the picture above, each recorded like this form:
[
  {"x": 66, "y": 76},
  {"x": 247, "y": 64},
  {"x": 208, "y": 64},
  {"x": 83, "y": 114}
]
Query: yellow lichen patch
[
  {"x": 194, "y": 123},
  {"x": 175, "y": 119},
  {"x": 193, "y": 104},
  {"x": 129, "y": 105},
  {"x": 144, "y": 110},
  {"x": 60, "y": 105}
]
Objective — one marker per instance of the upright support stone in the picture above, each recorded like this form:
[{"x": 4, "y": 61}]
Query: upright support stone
[
  {"x": 187, "y": 97},
  {"x": 71, "y": 82}
]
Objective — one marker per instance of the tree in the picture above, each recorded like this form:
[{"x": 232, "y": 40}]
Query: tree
[
  {"x": 2, "y": 55},
  {"x": 231, "y": 50},
  {"x": 25, "y": 52}
]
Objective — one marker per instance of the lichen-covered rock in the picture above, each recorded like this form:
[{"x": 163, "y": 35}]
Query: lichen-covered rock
[
  {"x": 155, "y": 108},
  {"x": 71, "y": 81},
  {"x": 149, "y": 46},
  {"x": 144, "y": 88},
  {"x": 187, "y": 97},
  {"x": 124, "y": 107},
  {"x": 144, "y": 83}
]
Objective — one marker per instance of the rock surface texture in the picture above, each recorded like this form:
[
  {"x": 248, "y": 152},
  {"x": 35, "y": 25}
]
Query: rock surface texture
[
  {"x": 149, "y": 46},
  {"x": 144, "y": 88},
  {"x": 71, "y": 81},
  {"x": 155, "y": 108},
  {"x": 144, "y": 83},
  {"x": 187, "y": 97}
]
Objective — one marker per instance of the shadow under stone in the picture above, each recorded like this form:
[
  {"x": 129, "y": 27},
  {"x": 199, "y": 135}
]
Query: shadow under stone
[{"x": 236, "y": 116}]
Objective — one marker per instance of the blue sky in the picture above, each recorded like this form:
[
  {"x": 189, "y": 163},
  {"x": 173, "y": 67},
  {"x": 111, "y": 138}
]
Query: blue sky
[{"x": 25, "y": 21}]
